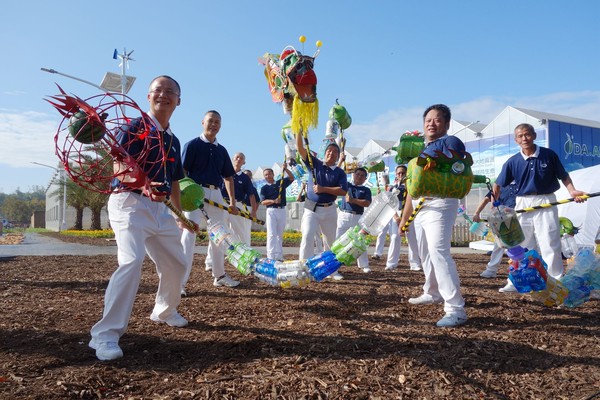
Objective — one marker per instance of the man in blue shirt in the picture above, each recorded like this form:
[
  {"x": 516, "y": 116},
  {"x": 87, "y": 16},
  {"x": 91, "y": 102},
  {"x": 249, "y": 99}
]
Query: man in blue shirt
[
  {"x": 247, "y": 203},
  {"x": 208, "y": 164},
  {"x": 143, "y": 224},
  {"x": 272, "y": 195},
  {"x": 244, "y": 190},
  {"x": 536, "y": 171},
  {"x": 352, "y": 207},
  {"x": 326, "y": 181},
  {"x": 434, "y": 224}
]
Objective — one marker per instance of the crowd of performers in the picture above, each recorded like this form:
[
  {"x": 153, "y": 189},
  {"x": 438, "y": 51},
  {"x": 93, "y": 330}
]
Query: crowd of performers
[{"x": 147, "y": 219}]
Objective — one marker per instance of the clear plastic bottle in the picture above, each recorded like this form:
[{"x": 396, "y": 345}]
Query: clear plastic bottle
[
  {"x": 505, "y": 225},
  {"x": 568, "y": 245},
  {"x": 476, "y": 228},
  {"x": 220, "y": 235},
  {"x": 380, "y": 212}
]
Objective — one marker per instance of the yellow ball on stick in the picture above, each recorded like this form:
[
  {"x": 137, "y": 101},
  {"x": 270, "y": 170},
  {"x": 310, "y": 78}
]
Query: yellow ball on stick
[{"x": 302, "y": 39}]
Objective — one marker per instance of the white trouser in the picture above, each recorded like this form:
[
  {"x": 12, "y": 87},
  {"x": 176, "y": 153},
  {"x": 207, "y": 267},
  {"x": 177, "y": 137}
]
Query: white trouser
[
  {"x": 241, "y": 226},
  {"x": 275, "y": 226},
  {"x": 141, "y": 226},
  {"x": 433, "y": 225},
  {"x": 188, "y": 239},
  {"x": 396, "y": 242},
  {"x": 347, "y": 221},
  {"x": 380, "y": 242},
  {"x": 495, "y": 258},
  {"x": 324, "y": 218},
  {"x": 542, "y": 226}
]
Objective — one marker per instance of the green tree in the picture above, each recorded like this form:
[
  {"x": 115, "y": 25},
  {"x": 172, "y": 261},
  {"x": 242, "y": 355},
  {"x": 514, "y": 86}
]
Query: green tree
[{"x": 17, "y": 209}]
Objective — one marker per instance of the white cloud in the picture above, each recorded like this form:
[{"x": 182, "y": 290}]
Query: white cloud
[
  {"x": 27, "y": 136},
  {"x": 391, "y": 124}
]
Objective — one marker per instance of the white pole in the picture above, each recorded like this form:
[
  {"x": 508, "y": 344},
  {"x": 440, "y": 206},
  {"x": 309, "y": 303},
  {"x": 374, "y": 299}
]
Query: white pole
[{"x": 64, "y": 205}]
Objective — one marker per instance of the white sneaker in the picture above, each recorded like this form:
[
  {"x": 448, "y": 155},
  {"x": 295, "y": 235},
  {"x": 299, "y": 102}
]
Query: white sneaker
[
  {"x": 336, "y": 276},
  {"x": 225, "y": 280},
  {"x": 509, "y": 288},
  {"x": 422, "y": 300},
  {"x": 366, "y": 270},
  {"x": 183, "y": 292},
  {"x": 175, "y": 320},
  {"x": 208, "y": 267},
  {"x": 390, "y": 268},
  {"x": 451, "y": 320},
  {"x": 415, "y": 268},
  {"x": 106, "y": 351},
  {"x": 488, "y": 274}
]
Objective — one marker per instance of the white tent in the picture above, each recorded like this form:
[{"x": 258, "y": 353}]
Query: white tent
[{"x": 586, "y": 215}]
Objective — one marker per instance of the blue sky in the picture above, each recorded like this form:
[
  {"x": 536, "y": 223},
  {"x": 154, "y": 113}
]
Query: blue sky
[{"x": 385, "y": 60}]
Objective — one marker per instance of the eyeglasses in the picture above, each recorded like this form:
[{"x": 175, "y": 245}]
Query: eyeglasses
[{"x": 166, "y": 92}]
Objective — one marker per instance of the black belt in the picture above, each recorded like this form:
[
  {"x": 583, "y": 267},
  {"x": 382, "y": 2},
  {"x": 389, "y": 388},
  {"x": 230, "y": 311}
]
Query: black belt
[
  {"x": 275, "y": 206},
  {"x": 351, "y": 212},
  {"x": 210, "y": 187},
  {"x": 324, "y": 204}
]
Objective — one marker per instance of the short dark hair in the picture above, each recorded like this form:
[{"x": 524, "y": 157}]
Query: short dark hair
[
  {"x": 212, "y": 112},
  {"x": 363, "y": 169},
  {"x": 171, "y": 79},
  {"x": 401, "y": 166},
  {"x": 267, "y": 169},
  {"x": 444, "y": 109}
]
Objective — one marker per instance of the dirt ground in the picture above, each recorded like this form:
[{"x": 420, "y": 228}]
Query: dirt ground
[{"x": 353, "y": 339}]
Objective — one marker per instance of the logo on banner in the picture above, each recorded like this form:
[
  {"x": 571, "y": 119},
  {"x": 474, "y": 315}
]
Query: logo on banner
[{"x": 579, "y": 149}]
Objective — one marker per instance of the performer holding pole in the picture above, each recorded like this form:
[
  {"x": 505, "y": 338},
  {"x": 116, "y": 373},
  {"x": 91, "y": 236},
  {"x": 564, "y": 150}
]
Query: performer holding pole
[{"x": 536, "y": 171}]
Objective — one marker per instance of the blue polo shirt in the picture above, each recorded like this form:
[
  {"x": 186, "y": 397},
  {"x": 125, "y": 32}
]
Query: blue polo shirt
[
  {"x": 444, "y": 145},
  {"x": 255, "y": 194},
  {"x": 270, "y": 191},
  {"x": 207, "y": 163},
  {"x": 508, "y": 197},
  {"x": 325, "y": 176},
  {"x": 537, "y": 174},
  {"x": 159, "y": 165},
  {"x": 356, "y": 192},
  {"x": 242, "y": 185}
]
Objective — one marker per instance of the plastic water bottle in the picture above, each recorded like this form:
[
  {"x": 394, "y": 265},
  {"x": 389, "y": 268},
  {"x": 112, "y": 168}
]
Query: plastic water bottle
[
  {"x": 578, "y": 296},
  {"x": 220, "y": 235},
  {"x": 331, "y": 129},
  {"x": 322, "y": 265},
  {"x": 264, "y": 269},
  {"x": 380, "y": 212},
  {"x": 476, "y": 228},
  {"x": 568, "y": 245},
  {"x": 242, "y": 256},
  {"x": 297, "y": 170},
  {"x": 505, "y": 225},
  {"x": 527, "y": 272},
  {"x": 292, "y": 274},
  {"x": 350, "y": 246}
]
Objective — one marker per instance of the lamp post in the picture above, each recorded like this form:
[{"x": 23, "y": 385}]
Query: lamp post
[{"x": 63, "y": 179}]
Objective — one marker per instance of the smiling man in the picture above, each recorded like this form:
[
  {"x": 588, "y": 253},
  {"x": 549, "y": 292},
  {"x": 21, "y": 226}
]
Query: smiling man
[
  {"x": 326, "y": 182},
  {"x": 433, "y": 226}
]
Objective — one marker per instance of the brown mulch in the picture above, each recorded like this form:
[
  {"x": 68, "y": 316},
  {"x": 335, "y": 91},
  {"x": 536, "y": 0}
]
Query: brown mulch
[
  {"x": 353, "y": 339},
  {"x": 11, "y": 238}
]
